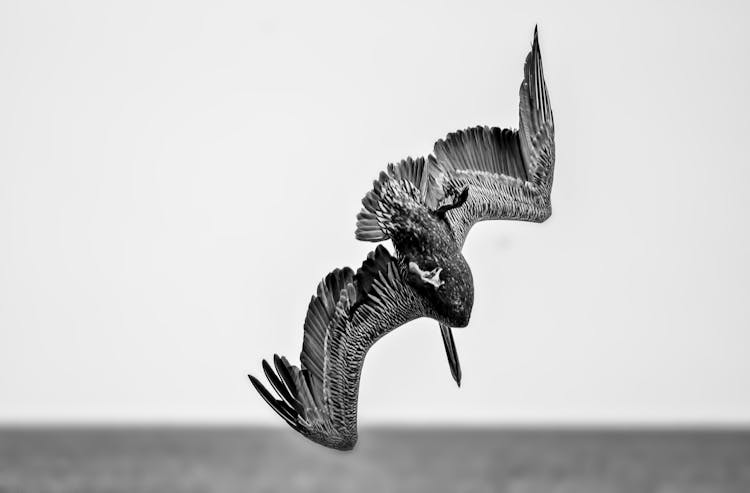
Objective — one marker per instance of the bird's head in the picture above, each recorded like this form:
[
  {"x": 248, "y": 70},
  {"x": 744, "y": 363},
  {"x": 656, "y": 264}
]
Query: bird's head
[{"x": 447, "y": 284}]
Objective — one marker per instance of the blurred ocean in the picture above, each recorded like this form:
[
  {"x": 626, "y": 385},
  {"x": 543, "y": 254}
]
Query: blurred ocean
[{"x": 174, "y": 459}]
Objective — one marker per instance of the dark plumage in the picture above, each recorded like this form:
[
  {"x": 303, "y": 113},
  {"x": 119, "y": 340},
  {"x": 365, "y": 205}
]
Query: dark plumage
[{"x": 426, "y": 207}]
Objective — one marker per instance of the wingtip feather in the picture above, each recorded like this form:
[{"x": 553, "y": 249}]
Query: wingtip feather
[{"x": 281, "y": 409}]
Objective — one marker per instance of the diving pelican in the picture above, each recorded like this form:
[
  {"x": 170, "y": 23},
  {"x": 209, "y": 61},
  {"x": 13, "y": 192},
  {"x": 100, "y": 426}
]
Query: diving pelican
[{"x": 426, "y": 207}]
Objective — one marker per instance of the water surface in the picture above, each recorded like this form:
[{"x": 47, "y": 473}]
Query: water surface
[{"x": 435, "y": 460}]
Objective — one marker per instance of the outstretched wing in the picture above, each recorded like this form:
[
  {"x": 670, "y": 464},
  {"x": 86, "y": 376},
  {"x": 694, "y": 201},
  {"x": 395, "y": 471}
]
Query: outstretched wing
[
  {"x": 508, "y": 172},
  {"x": 347, "y": 315}
]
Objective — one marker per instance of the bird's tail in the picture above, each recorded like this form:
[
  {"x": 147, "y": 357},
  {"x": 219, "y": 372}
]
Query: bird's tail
[{"x": 398, "y": 191}]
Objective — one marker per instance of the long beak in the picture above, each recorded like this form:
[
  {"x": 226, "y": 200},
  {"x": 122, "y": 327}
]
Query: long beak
[{"x": 451, "y": 352}]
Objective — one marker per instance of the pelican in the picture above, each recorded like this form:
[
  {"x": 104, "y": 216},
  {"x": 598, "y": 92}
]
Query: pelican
[{"x": 426, "y": 207}]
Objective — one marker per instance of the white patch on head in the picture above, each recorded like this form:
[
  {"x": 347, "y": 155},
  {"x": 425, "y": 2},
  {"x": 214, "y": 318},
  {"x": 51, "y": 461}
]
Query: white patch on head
[{"x": 429, "y": 277}]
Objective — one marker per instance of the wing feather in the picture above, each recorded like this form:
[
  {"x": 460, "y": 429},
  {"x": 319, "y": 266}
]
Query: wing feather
[
  {"x": 348, "y": 314},
  {"x": 508, "y": 172},
  {"x": 320, "y": 313}
]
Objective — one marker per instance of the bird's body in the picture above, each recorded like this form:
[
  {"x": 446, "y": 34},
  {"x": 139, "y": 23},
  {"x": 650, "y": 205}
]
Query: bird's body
[{"x": 426, "y": 207}]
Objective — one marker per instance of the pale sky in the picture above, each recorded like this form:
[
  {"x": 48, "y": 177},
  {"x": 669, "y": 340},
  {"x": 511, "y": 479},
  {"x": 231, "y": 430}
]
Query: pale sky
[{"x": 176, "y": 178}]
